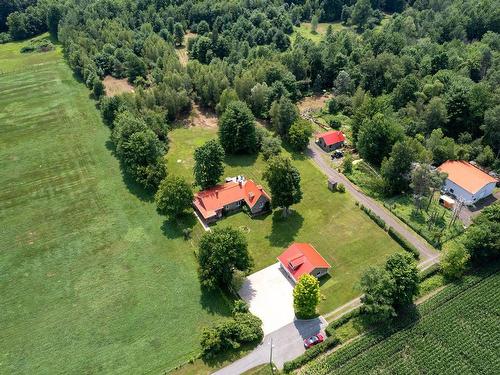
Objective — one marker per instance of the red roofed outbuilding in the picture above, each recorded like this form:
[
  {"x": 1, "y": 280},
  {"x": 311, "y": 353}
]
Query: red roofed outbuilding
[
  {"x": 212, "y": 203},
  {"x": 331, "y": 140},
  {"x": 303, "y": 258}
]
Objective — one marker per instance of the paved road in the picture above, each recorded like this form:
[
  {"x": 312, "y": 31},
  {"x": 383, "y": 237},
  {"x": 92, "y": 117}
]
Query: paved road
[
  {"x": 287, "y": 345},
  {"x": 427, "y": 254}
]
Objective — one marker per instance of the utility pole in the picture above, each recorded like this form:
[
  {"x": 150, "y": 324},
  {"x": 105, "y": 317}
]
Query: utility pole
[{"x": 271, "y": 355}]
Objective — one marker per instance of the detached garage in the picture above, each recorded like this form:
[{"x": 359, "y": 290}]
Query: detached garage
[
  {"x": 466, "y": 182},
  {"x": 302, "y": 258}
]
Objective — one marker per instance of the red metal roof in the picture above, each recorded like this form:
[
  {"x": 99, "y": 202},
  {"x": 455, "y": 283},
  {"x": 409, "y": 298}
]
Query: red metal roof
[
  {"x": 466, "y": 175},
  {"x": 332, "y": 137},
  {"x": 209, "y": 201},
  {"x": 302, "y": 258}
]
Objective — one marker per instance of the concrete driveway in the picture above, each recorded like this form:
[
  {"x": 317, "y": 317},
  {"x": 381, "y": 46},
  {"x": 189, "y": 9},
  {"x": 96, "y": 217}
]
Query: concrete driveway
[{"x": 269, "y": 294}]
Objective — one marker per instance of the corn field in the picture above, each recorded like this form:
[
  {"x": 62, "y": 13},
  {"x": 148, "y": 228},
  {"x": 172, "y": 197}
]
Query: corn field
[{"x": 457, "y": 332}]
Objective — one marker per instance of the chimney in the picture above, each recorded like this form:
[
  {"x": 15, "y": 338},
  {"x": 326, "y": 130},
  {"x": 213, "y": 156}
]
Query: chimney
[
  {"x": 259, "y": 187},
  {"x": 251, "y": 196},
  {"x": 216, "y": 194}
]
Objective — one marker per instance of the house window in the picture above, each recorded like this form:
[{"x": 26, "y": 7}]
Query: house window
[{"x": 452, "y": 191}]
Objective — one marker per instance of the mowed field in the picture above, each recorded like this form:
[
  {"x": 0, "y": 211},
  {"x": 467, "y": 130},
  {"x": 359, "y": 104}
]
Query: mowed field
[
  {"x": 348, "y": 239},
  {"x": 92, "y": 279},
  {"x": 457, "y": 332}
]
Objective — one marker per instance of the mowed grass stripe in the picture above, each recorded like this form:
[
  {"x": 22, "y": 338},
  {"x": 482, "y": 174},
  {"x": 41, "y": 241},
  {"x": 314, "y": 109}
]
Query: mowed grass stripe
[{"x": 92, "y": 280}]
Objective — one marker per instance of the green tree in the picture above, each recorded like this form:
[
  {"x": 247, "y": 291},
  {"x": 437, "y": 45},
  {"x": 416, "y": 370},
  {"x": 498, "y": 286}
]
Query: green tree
[
  {"x": 306, "y": 296},
  {"x": 441, "y": 147},
  {"x": 405, "y": 91},
  {"x": 435, "y": 114},
  {"x": 208, "y": 164},
  {"x": 136, "y": 67},
  {"x": 270, "y": 146},
  {"x": 396, "y": 170},
  {"x": 299, "y": 134},
  {"x": 378, "y": 287},
  {"x": 491, "y": 128},
  {"x": 228, "y": 95},
  {"x": 377, "y": 136},
  {"x": 259, "y": 99},
  {"x": 237, "y": 129},
  {"x": 178, "y": 33},
  {"x": 454, "y": 260},
  {"x": 403, "y": 270},
  {"x": 173, "y": 197},
  {"x": 361, "y": 13},
  {"x": 482, "y": 238},
  {"x": 284, "y": 181},
  {"x": 314, "y": 24},
  {"x": 221, "y": 252},
  {"x": 97, "y": 88},
  {"x": 283, "y": 114},
  {"x": 347, "y": 164}
]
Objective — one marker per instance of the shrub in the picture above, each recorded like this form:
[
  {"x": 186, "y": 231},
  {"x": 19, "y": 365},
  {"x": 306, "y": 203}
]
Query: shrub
[
  {"x": 340, "y": 188},
  {"x": 310, "y": 354},
  {"x": 377, "y": 219},
  {"x": 243, "y": 328},
  {"x": 404, "y": 243},
  {"x": 5, "y": 38},
  {"x": 454, "y": 261},
  {"x": 240, "y": 306}
]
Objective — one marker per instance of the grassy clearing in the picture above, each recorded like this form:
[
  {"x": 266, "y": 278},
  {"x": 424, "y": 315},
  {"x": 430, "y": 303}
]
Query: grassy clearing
[
  {"x": 92, "y": 280},
  {"x": 305, "y": 30},
  {"x": 347, "y": 238}
]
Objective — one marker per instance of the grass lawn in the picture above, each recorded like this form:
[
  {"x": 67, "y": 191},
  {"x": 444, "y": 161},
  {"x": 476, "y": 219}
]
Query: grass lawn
[
  {"x": 345, "y": 236},
  {"x": 92, "y": 279},
  {"x": 305, "y": 30}
]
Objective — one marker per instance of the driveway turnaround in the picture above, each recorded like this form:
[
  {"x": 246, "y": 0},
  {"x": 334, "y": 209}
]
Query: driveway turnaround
[
  {"x": 287, "y": 344},
  {"x": 269, "y": 294}
]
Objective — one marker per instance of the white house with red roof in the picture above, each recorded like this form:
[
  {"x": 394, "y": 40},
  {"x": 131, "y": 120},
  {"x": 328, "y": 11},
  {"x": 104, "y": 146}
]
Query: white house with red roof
[
  {"x": 331, "y": 140},
  {"x": 212, "y": 203},
  {"x": 466, "y": 182},
  {"x": 303, "y": 258}
]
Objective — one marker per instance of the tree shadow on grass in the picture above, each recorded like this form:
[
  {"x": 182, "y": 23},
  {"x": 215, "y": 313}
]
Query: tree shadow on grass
[
  {"x": 284, "y": 229},
  {"x": 132, "y": 186},
  {"x": 174, "y": 227},
  {"x": 241, "y": 160},
  {"x": 296, "y": 155},
  {"x": 216, "y": 302}
]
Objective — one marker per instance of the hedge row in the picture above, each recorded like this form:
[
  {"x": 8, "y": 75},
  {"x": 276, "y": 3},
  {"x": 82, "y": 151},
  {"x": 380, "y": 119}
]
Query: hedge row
[
  {"x": 341, "y": 321},
  {"x": 310, "y": 354},
  {"x": 377, "y": 219},
  {"x": 403, "y": 242}
]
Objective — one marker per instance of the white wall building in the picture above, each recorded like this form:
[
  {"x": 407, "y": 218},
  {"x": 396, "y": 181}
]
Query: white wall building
[{"x": 466, "y": 182}]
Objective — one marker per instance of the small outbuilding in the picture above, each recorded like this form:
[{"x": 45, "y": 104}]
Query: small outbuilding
[
  {"x": 303, "y": 258},
  {"x": 466, "y": 182},
  {"x": 331, "y": 140}
]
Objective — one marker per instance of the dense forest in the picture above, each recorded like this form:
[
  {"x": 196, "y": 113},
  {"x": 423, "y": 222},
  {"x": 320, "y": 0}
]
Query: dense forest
[{"x": 423, "y": 85}]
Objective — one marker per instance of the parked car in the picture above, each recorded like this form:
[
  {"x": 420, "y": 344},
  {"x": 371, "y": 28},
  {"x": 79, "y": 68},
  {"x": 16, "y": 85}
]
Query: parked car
[
  {"x": 313, "y": 340},
  {"x": 337, "y": 154}
]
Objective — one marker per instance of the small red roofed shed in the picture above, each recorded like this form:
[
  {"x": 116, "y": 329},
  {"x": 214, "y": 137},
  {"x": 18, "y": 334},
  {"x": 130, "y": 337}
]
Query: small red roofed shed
[
  {"x": 331, "y": 140},
  {"x": 303, "y": 258}
]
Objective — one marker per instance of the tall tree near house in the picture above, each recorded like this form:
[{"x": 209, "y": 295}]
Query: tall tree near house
[
  {"x": 221, "y": 252},
  {"x": 283, "y": 114},
  {"x": 361, "y": 13},
  {"x": 174, "y": 196},
  {"x": 378, "y": 287},
  {"x": 306, "y": 296},
  {"x": 284, "y": 181},
  {"x": 299, "y": 134},
  {"x": 237, "y": 129},
  {"x": 403, "y": 270},
  {"x": 208, "y": 164}
]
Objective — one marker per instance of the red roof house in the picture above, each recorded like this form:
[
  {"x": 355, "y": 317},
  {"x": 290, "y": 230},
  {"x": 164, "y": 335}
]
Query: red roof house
[
  {"x": 211, "y": 203},
  {"x": 303, "y": 258},
  {"x": 331, "y": 140}
]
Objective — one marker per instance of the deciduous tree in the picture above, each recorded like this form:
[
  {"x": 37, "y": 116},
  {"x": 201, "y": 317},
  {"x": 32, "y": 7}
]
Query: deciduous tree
[
  {"x": 306, "y": 296},
  {"x": 221, "y": 252},
  {"x": 208, "y": 164},
  {"x": 404, "y": 272},
  {"x": 284, "y": 181},
  {"x": 237, "y": 129},
  {"x": 173, "y": 197},
  {"x": 299, "y": 134}
]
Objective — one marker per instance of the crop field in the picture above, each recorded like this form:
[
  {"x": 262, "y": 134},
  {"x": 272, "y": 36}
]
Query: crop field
[
  {"x": 457, "y": 332},
  {"x": 340, "y": 231},
  {"x": 92, "y": 279}
]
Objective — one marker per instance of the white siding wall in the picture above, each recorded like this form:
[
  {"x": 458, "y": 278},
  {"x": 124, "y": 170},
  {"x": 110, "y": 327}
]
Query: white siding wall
[{"x": 468, "y": 198}]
